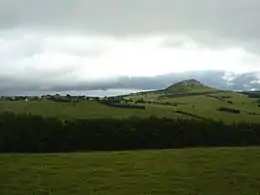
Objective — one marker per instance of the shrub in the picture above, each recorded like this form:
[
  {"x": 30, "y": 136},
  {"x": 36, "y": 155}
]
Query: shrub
[
  {"x": 116, "y": 105},
  {"x": 231, "y": 110},
  {"x": 140, "y": 101}
]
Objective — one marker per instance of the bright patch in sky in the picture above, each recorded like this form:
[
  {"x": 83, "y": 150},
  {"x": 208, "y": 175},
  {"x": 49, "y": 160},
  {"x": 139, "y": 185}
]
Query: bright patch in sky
[
  {"x": 27, "y": 54},
  {"x": 67, "y": 45}
]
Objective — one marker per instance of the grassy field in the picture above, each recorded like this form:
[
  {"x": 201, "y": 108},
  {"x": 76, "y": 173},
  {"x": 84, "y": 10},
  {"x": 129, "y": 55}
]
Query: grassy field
[
  {"x": 215, "y": 171},
  {"x": 190, "y": 96},
  {"x": 201, "y": 105},
  {"x": 206, "y": 106},
  {"x": 83, "y": 110}
]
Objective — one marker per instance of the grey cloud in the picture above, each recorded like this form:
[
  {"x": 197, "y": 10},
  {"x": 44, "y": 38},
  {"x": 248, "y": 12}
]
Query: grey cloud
[
  {"x": 216, "y": 79},
  {"x": 209, "y": 21},
  {"x": 232, "y": 17},
  {"x": 14, "y": 86}
]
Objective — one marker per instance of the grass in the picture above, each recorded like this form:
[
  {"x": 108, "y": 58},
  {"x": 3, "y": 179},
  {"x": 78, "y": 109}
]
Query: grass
[
  {"x": 215, "y": 171},
  {"x": 201, "y": 105},
  {"x": 188, "y": 89},
  {"x": 205, "y": 106},
  {"x": 192, "y": 98},
  {"x": 83, "y": 110}
]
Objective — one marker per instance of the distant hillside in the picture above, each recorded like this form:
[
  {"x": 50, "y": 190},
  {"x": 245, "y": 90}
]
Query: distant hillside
[
  {"x": 187, "y": 86},
  {"x": 191, "y": 98},
  {"x": 252, "y": 94}
]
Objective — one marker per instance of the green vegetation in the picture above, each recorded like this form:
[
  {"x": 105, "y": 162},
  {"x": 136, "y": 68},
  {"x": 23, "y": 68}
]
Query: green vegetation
[
  {"x": 146, "y": 120},
  {"x": 192, "y": 97},
  {"x": 188, "y": 96},
  {"x": 252, "y": 94},
  {"x": 187, "y": 87},
  {"x": 231, "y": 110},
  {"x": 27, "y": 133},
  {"x": 82, "y": 110},
  {"x": 216, "y": 171}
]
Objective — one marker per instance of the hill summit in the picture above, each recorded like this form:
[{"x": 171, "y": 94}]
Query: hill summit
[
  {"x": 187, "y": 86},
  {"x": 189, "y": 82}
]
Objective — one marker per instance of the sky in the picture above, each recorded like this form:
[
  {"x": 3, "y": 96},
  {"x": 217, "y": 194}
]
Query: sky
[{"x": 67, "y": 43}]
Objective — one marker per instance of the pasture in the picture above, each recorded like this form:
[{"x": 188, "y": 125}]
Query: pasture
[
  {"x": 82, "y": 110},
  {"x": 201, "y": 105},
  {"x": 200, "y": 171},
  {"x": 188, "y": 96},
  {"x": 206, "y": 105}
]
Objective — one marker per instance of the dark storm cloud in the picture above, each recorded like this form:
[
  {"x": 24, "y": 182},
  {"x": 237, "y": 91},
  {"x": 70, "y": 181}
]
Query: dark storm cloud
[
  {"x": 238, "y": 18},
  {"x": 210, "y": 21},
  {"x": 216, "y": 79},
  {"x": 16, "y": 86}
]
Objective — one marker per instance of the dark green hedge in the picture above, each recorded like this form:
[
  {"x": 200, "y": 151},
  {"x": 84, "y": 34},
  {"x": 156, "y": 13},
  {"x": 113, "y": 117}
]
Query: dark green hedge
[
  {"x": 26, "y": 133},
  {"x": 119, "y": 105},
  {"x": 231, "y": 110}
]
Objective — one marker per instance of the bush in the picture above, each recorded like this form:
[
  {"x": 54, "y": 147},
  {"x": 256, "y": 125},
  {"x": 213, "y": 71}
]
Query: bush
[
  {"x": 117, "y": 105},
  {"x": 231, "y": 110},
  {"x": 140, "y": 101},
  {"x": 252, "y": 113},
  {"x": 192, "y": 115}
]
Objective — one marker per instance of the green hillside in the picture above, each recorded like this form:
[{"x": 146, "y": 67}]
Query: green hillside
[
  {"x": 187, "y": 86},
  {"x": 193, "y": 97},
  {"x": 83, "y": 110},
  {"x": 189, "y": 96},
  {"x": 229, "y": 171},
  {"x": 252, "y": 94}
]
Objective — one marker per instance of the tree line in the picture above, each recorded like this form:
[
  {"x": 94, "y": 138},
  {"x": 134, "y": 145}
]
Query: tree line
[
  {"x": 119, "y": 105},
  {"x": 33, "y": 134},
  {"x": 252, "y": 94}
]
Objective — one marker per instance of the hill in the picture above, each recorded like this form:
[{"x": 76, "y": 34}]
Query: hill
[
  {"x": 186, "y": 87},
  {"x": 193, "y": 97},
  {"x": 252, "y": 94},
  {"x": 186, "y": 99}
]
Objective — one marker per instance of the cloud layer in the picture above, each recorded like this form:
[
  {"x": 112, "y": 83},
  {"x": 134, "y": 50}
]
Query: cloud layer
[{"x": 62, "y": 44}]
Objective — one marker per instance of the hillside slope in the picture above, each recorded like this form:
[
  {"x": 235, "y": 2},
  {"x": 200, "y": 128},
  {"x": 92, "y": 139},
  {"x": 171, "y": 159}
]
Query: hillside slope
[
  {"x": 193, "y": 97},
  {"x": 186, "y": 99},
  {"x": 187, "y": 86}
]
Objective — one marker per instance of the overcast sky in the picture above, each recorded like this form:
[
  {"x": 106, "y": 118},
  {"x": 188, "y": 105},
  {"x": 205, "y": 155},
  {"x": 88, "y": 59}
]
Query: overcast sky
[{"x": 63, "y": 42}]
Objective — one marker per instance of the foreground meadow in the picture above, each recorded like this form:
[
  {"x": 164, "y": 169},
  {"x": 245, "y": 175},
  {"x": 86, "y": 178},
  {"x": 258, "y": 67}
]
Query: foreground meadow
[{"x": 212, "y": 171}]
